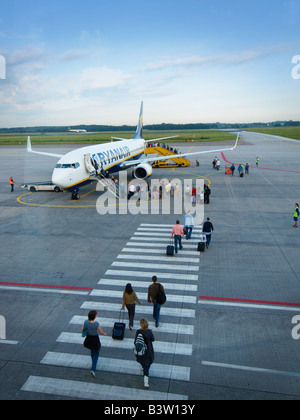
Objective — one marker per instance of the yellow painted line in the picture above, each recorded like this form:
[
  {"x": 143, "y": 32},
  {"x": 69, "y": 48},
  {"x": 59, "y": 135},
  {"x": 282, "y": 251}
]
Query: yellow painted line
[
  {"x": 75, "y": 203},
  {"x": 194, "y": 175}
]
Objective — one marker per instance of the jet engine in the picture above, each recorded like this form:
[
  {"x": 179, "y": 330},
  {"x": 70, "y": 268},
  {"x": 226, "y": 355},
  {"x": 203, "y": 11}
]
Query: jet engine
[{"x": 142, "y": 171}]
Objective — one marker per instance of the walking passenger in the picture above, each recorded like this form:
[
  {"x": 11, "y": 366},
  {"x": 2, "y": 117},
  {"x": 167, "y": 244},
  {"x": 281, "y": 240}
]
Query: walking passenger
[
  {"x": 207, "y": 193},
  {"x": 207, "y": 230},
  {"x": 91, "y": 330},
  {"x": 189, "y": 224},
  {"x": 177, "y": 234},
  {"x": 153, "y": 290},
  {"x": 129, "y": 299},
  {"x": 144, "y": 349}
]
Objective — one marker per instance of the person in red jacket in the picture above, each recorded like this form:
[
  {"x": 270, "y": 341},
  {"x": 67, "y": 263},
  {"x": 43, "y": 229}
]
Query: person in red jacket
[{"x": 11, "y": 182}]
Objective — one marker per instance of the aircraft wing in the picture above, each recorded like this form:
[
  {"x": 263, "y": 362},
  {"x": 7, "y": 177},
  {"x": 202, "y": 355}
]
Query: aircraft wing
[
  {"x": 29, "y": 149},
  {"x": 146, "y": 141},
  {"x": 155, "y": 159}
]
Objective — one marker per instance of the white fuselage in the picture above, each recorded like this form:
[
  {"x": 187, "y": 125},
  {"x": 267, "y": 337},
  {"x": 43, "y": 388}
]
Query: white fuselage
[{"x": 72, "y": 169}]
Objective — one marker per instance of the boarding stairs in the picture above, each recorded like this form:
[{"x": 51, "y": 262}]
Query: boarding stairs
[
  {"x": 105, "y": 182},
  {"x": 109, "y": 185},
  {"x": 162, "y": 151}
]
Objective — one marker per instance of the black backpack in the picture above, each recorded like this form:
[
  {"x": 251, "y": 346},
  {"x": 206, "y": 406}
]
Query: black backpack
[{"x": 160, "y": 296}]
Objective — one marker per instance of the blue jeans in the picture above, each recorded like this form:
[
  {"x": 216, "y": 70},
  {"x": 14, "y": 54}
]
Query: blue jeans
[
  {"x": 177, "y": 240},
  {"x": 208, "y": 238},
  {"x": 189, "y": 230},
  {"x": 156, "y": 313},
  {"x": 94, "y": 356}
]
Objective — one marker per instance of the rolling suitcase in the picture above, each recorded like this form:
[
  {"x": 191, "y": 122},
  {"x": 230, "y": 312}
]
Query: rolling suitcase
[
  {"x": 170, "y": 250},
  {"x": 119, "y": 329},
  {"x": 202, "y": 243}
]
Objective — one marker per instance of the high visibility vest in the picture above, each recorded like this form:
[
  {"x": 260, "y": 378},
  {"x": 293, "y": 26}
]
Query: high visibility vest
[
  {"x": 296, "y": 213},
  {"x": 11, "y": 181}
]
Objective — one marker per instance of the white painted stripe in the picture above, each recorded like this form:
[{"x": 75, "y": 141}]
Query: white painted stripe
[
  {"x": 154, "y": 234},
  {"x": 155, "y": 266},
  {"x": 164, "y": 259},
  {"x": 163, "y": 226},
  {"x": 153, "y": 238},
  {"x": 120, "y": 366},
  {"x": 174, "y": 328},
  {"x": 156, "y": 225},
  {"x": 93, "y": 391},
  {"x": 251, "y": 369},
  {"x": 142, "y": 296},
  {"x": 160, "y": 251},
  {"x": 45, "y": 290},
  {"x": 153, "y": 229},
  {"x": 146, "y": 284},
  {"x": 249, "y": 305},
  {"x": 144, "y": 310},
  {"x": 128, "y": 344},
  {"x": 11, "y": 342},
  {"x": 159, "y": 245},
  {"x": 149, "y": 274}
]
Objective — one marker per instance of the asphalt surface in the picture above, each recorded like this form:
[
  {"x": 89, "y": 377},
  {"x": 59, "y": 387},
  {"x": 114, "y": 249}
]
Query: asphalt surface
[{"x": 226, "y": 329}]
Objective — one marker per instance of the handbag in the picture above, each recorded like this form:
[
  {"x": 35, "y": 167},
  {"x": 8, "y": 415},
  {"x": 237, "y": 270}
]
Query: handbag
[{"x": 84, "y": 331}]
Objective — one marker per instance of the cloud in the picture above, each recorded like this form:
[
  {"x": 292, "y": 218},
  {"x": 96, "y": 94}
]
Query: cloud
[
  {"x": 220, "y": 59},
  {"x": 73, "y": 55},
  {"x": 26, "y": 55},
  {"x": 101, "y": 78}
]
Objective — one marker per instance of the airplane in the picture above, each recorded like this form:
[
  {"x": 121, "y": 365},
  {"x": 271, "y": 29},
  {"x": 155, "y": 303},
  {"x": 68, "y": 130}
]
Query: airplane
[
  {"x": 82, "y": 166},
  {"x": 78, "y": 130}
]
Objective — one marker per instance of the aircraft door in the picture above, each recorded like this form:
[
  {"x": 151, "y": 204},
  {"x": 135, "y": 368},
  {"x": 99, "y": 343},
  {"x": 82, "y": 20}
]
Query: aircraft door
[{"x": 88, "y": 164}]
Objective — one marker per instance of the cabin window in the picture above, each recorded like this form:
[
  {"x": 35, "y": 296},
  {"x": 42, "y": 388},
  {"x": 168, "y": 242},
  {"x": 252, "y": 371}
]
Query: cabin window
[{"x": 67, "y": 165}]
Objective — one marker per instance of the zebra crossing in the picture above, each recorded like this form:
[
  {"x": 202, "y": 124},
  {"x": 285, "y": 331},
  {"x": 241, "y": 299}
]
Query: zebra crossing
[{"x": 143, "y": 256}]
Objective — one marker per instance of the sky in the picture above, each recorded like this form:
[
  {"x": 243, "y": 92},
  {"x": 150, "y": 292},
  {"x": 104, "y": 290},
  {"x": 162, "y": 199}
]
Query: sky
[{"x": 93, "y": 62}]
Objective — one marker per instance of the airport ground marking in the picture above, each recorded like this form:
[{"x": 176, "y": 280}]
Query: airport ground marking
[
  {"x": 260, "y": 167},
  {"x": 11, "y": 342},
  {"x": 119, "y": 366},
  {"x": 250, "y": 369},
  {"x": 93, "y": 391},
  {"x": 249, "y": 303},
  {"x": 41, "y": 287}
]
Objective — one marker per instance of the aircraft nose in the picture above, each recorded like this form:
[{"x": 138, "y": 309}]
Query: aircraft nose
[{"x": 56, "y": 179}]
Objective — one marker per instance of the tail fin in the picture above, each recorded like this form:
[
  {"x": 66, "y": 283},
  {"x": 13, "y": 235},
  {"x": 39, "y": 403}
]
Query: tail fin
[
  {"x": 139, "y": 129},
  {"x": 29, "y": 149}
]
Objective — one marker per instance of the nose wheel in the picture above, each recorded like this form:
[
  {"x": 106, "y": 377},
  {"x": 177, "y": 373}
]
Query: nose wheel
[{"x": 75, "y": 193}]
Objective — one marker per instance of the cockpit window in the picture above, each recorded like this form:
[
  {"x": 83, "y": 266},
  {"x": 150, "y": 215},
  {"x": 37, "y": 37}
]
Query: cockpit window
[{"x": 67, "y": 165}]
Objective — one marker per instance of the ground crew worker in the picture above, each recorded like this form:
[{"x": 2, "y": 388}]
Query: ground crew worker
[
  {"x": 11, "y": 182},
  {"x": 257, "y": 160},
  {"x": 296, "y": 214}
]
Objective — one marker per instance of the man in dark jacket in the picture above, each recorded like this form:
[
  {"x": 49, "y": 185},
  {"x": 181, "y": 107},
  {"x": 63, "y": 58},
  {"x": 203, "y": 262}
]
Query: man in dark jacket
[
  {"x": 207, "y": 230},
  {"x": 152, "y": 293}
]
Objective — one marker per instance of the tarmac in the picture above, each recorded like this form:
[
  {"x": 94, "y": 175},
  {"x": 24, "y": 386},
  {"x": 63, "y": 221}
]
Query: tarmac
[{"x": 227, "y": 328}]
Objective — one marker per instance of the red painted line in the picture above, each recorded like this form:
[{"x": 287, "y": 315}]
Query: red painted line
[
  {"x": 266, "y": 302},
  {"x": 259, "y": 167},
  {"x": 46, "y": 286}
]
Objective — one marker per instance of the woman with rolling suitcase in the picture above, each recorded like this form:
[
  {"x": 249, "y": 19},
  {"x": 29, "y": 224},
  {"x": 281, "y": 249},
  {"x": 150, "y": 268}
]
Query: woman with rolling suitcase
[{"x": 129, "y": 299}]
